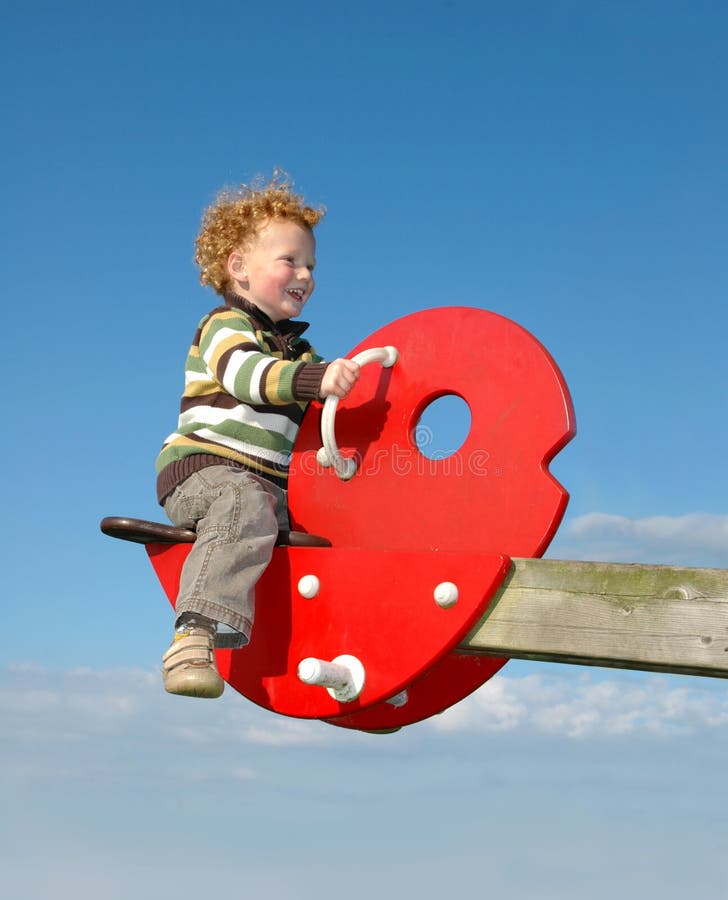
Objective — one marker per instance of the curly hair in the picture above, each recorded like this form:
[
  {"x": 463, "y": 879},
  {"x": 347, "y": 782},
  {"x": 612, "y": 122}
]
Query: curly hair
[{"x": 238, "y": 214}]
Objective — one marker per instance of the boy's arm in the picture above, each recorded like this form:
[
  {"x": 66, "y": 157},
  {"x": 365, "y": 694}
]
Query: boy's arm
[{"x": 231, "y": 352}]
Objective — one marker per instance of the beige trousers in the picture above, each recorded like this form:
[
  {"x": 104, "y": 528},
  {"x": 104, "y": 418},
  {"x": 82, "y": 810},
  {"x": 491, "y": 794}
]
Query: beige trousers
[{"x": 237, "y": 516}]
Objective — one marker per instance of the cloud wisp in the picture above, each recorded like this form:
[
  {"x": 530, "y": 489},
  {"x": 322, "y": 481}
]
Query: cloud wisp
[
  {"x": 695, "y": 539},
  {"x": 583, "y": 706}
]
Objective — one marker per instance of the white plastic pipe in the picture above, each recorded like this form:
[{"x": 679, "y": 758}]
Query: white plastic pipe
[
  {"x": 343, "y": 677},
  {"x": 324, "y": 674},
  {"x": 329, "y": 454}
]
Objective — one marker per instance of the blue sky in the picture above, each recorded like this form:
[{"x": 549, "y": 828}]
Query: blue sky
[{"x": 562, "y": 164}]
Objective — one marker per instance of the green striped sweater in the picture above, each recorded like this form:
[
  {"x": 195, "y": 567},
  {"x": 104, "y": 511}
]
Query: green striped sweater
[{"x": 248, "y": 382}]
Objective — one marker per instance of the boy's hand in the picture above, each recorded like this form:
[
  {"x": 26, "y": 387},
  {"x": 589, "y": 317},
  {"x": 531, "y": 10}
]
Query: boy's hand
[{"x": 339, "y": 378}]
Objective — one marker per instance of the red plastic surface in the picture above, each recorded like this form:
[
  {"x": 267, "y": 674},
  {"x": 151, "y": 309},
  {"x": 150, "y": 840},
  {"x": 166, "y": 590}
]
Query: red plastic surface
[
  {"x": 376, "y": 606},
  {"x": 494, "y": 495}
]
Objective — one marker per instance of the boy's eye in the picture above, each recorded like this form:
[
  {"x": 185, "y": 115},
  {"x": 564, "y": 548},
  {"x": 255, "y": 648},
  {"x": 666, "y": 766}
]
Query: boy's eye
[{"x": 291, "y": 260}]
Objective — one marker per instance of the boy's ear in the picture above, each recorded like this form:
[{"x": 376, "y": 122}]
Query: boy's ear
[{"x": 236, "y": 266}]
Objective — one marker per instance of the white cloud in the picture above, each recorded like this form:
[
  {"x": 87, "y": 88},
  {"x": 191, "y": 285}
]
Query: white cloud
[
  {"x": 285, "y": 732},
  {"x": 696, "y": 539},
  {"x": 582, "y": 706},
  {"x": 97, "y": 720}
]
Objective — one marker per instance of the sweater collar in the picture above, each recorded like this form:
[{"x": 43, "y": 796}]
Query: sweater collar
[{"x": 285, "y": 326}]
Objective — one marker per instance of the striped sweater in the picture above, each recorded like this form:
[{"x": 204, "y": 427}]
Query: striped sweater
[{"x": 248, "y": 382}]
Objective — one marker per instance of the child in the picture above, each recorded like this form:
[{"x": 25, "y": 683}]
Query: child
[{"x": 249, "y": 377}]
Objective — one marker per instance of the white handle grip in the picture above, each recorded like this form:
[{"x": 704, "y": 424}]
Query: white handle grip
[
  {"x": 343, "y": 677},
  {"x": 329, "y": 454}
]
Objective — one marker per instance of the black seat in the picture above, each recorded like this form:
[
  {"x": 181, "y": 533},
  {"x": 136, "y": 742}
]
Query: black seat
[{"x": 141, "y": 531}]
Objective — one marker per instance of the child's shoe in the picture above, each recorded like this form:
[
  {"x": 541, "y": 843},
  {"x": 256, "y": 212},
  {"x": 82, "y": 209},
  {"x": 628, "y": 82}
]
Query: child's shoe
[{"x": 188, "y": 667}]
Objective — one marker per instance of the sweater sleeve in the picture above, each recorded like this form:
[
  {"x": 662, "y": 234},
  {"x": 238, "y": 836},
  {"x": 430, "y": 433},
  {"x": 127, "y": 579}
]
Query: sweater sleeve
[
  {"x": 307, "y": 382},
  {"x": 232, "y": 354}
]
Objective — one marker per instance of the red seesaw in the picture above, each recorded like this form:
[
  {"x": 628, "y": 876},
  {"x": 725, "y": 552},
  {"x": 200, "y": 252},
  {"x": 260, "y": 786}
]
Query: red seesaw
[
  {"x": 416, "y": 545},
  {"x": 407, "y": 581}
]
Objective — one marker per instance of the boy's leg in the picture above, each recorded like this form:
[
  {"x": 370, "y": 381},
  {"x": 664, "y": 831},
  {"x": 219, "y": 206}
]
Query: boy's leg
[{"x": 237, "y": 516}]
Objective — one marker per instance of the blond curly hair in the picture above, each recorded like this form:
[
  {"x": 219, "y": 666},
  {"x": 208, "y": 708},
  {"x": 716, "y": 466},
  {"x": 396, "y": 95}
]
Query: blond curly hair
[{"x": 238, "y": 214}]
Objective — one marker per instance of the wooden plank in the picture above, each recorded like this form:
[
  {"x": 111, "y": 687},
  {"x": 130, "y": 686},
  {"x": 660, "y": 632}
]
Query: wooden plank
[{"x": 654, "y": 618}]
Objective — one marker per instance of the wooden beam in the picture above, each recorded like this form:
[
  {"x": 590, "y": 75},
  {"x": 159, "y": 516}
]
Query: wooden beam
[{"x": 654, "y": 618}]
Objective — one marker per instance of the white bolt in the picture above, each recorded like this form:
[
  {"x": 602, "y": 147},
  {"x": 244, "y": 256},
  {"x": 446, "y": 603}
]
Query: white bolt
[
  {"x": 309, "y": 586},
  {"x": 399, "y": 699},
  {"x": 446, "y": 594},
  {"x": 343, "y": 677}
]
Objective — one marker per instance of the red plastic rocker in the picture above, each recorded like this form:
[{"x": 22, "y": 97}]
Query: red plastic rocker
[{"x": 360, "y": 626}]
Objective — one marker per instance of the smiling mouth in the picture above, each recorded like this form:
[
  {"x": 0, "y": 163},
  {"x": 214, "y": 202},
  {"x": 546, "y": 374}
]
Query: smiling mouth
[{"x": 295, "y": 293}]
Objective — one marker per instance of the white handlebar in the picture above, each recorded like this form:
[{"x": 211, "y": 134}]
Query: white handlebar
[{"x": 329, "y": 454}]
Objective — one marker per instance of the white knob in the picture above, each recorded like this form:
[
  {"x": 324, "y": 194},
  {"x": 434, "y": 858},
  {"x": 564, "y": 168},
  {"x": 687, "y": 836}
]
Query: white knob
[
  {"x": 309, "y": 586},
  {"x": 446, "y": 594}
]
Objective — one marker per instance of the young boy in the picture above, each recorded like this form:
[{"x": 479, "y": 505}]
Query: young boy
[{"x": 249, "y": 377}]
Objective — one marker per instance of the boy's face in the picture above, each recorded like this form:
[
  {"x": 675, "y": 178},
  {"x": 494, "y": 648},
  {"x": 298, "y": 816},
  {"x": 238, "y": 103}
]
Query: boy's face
[{"x": 275, "y": 271}]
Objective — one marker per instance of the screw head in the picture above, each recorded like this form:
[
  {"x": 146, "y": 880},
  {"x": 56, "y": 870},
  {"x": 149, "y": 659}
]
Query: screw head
[
  {"x": 446, "y": 594},
  {"x": 309, "y": 586}
]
